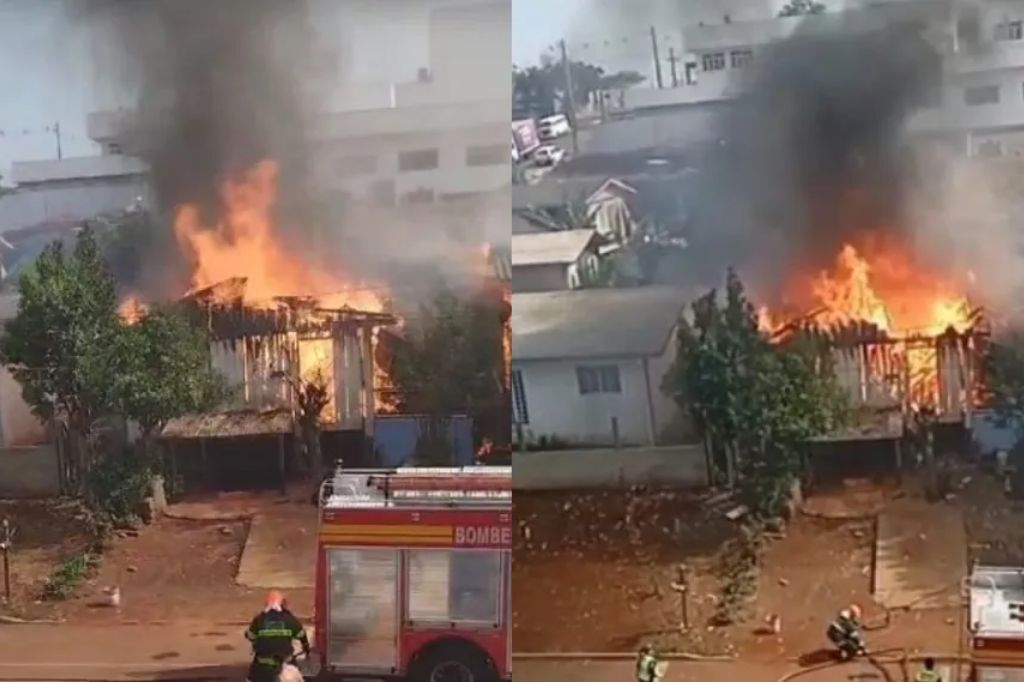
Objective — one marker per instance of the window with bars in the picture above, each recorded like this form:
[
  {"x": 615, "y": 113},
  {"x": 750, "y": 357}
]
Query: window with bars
[
  {"x": 598, "y": 379},
  {"x": 1010, "y": 30},
  {"x": 741, "y": 58},
  {"x": 714, "y": 61},
  {"x": 520, "y": 413}
]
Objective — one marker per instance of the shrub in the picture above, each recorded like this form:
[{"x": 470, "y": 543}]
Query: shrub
[{"x": 118, "y": 484}]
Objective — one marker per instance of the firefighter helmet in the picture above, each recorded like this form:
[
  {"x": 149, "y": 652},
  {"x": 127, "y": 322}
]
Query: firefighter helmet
[
  {"x": 275, "y": 601},
  {"x": 855, "y": 611}
]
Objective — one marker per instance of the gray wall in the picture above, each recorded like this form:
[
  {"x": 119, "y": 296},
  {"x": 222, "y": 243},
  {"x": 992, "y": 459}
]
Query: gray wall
[
  {"x": 674, "y": 465},
  {"x": 29, "y": 472},
  {"x": 71, "y": 199}
]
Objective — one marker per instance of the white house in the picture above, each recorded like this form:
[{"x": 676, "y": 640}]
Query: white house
[
  {"x": 589, "y": 363},
  {"x": 18, "y": 426},
  {"x": 550, "y": 261}
]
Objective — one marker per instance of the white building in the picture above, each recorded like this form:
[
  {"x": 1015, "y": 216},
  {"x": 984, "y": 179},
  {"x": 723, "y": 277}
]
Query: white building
[
  {"x": 588, "y": 363},
  {"x": 415, "y": 111},
  {"x": 71, "y": 189},
  {"x": 18, "y": 426},
  {"x": 981, "y": 105},
  {"x": 553, "y": 261}
]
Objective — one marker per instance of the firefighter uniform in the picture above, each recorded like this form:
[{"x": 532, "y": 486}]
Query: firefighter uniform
[
  {"x": 647, "y": 666},
  {"x": 928, "y": 675},
  {"x": 271, "y": 634}
]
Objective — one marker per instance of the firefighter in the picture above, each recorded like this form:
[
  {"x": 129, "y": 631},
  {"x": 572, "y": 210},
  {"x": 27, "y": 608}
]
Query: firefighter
[
  {"x": 271, "y": 634},
  {"x": 844, "y": 631},
  {"x": 647, "y": 665},
  {"x": 928, "y": 673}
]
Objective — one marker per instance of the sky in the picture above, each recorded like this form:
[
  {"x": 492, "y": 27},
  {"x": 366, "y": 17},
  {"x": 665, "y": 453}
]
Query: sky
[
  {"x": 42, "y": 81},
  {"x": 539, "y": 24}
]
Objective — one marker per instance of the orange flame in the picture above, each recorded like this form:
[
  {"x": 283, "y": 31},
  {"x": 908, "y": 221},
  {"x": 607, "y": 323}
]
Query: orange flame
[
  {"x": 131, "y": 310},
  {"x": 245, "y": 244},
  {"x": 880, "y": 284}
]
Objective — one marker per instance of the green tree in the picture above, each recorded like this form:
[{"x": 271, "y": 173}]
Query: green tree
[
  {"x": 541, "y": 90},
  {"x": 452, "y": 362},
  {"x": 157, "y": 369},
  {"x": 797, "y": 8},
  {"x": 756, "y": 403}
]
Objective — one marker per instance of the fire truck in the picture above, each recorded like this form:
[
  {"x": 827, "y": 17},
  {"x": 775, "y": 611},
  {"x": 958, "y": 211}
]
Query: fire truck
[
  {"x": 996, "y": 624},
  {"x": 413, "y": 574}
]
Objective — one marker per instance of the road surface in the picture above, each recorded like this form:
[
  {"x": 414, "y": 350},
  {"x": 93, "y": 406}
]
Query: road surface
[
  {"x": 536, "y": 671},
  {"x": 122, "y": 652}
]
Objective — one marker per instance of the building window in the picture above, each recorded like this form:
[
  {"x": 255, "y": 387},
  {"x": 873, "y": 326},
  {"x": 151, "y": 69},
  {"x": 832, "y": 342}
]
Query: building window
[
  {"x": 598, "y": 379},
  {"x": 417, "y": 160},
  {"x": 1010, "y": 30},
  {"x": 349, "y": 166},
  {"x": 989, "y": 149},
  {"x": 714, "y": 61},
  {"x": 421, "y": 195},
  {"x": 982, "y": 94},
  {"x": 487, "y": 155},
  {"x": 520, "y": 412},
  {"x": 741, "y": 58}
]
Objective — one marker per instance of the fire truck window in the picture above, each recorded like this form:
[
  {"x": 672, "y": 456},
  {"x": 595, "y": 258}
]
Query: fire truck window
[
  {"x": 362, "y": 606},
  {"x": 454, "y": 586}
]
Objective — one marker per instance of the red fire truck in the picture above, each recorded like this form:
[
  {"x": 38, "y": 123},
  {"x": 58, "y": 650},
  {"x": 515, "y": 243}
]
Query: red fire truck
[{"x": 414, "y": 574}]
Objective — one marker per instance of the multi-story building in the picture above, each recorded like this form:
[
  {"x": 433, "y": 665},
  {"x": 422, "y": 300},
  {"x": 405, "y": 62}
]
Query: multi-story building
[
  {"x": 437, "y": 128},
  {"x": 981, "y": 45}
]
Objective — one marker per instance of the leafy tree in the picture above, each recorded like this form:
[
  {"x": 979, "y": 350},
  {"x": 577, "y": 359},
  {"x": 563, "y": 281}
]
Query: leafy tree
[
  {"x": 157, "y": 369},
  {"x": 452, "y": 362},
  {"x": 1004, "y": 380},
  {"x": 797, "y": 8},
  {"x": 541, "y": 90},
  {"x": 756, "y": 403},
  {"x": 66, "y": 313}
]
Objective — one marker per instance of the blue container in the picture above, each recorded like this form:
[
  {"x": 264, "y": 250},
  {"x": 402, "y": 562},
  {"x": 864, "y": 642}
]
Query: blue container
[{"x": 395, "y": 437}]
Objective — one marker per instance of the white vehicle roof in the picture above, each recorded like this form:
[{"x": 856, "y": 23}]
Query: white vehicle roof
[{"x": 477, "y": 486}]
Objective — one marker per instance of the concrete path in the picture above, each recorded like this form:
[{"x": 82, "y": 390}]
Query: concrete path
[
  {"x": 675, "y": 465},
  {"x": 920, "y": 555},
  {"x": 280, "y": 551}
]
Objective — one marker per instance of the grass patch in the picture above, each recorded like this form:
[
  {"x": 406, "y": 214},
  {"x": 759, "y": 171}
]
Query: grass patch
[{"x": 69, "y": 575}]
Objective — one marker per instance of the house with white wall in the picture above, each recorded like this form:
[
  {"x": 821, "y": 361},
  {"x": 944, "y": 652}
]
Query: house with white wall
[
  {"x": 587, "y": 365},
  {"x": 552, "y": 261}
]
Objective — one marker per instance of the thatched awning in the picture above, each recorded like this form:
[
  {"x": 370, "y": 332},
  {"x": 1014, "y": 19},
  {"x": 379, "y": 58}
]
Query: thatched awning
[{"x": 232, "y": 424}]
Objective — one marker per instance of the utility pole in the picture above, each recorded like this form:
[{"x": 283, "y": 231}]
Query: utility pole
[
  {"x": 570, "y": 97},
  {"x": 56, "y": 133},
  {"x": 657, "y": 60},
  {"x": 672, "y": 59},
  {"x": 5, "y": 547}
]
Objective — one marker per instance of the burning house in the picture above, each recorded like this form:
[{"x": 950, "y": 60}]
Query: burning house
[{"x": 267, "y": 355}]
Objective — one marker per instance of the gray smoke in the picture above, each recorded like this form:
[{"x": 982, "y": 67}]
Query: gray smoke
[{"x": 816, "y": 151}]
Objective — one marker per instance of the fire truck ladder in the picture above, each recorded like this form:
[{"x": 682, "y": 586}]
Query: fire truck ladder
[{"x": 435, "y": 486}]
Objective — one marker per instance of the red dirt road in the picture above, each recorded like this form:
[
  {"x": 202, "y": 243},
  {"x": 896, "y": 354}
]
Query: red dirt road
[{"x": 72, "y": 652}]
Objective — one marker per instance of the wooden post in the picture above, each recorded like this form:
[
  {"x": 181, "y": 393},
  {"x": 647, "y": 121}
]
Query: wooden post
[
  {"x": 280, "y": 464},
  {"x": 205, "y": 463},
  {"x": 172, "y": 466},
  {"x": 521, "y": 437},
  {"x": 615, "y": 432},
  {"x": 5, "y": 546},
  {"x": 682, "y": 587}
]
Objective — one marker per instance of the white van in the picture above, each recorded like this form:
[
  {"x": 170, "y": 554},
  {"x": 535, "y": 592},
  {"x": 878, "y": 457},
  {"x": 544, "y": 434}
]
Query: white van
[{"x": 553, "y": 127}]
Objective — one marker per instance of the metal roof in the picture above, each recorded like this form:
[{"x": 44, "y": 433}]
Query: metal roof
[
  {"x": 475, "y": 486},
  {"x": 588, "y": 323},
  {"x": 549, "y": 248},
  {"x": 85, "y": 167}
]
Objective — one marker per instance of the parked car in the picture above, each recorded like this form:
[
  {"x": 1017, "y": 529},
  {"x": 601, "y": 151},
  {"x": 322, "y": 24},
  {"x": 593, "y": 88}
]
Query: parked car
[
  {"x": 548, "y": 155},
  {"x": 553, "y": 127}
]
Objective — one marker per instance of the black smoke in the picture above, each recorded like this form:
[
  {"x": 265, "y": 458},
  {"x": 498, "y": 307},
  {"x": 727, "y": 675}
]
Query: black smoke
[{"x": 816, "y": 151}]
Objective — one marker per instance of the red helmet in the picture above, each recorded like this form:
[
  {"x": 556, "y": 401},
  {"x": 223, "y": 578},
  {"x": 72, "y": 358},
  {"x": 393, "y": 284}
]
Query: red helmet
[{"x": 275, "y": 601}]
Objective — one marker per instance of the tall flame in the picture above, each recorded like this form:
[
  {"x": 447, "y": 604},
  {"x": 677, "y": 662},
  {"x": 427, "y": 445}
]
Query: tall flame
[{"x": 245, "y": 243}]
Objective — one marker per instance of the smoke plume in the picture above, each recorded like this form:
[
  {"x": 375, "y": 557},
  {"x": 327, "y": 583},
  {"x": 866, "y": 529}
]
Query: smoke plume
[{"x": 816, "y": 152}]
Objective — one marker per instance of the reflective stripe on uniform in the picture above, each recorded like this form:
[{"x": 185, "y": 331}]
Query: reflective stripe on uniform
[
  {"x": 274, "y": 631},
  {"x": 928, "y": 676}
]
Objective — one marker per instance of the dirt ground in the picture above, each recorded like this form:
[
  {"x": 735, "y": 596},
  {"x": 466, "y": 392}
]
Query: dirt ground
[
  {"x": 607, "y": 588},
  {"x": 173, "y": 570}
]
